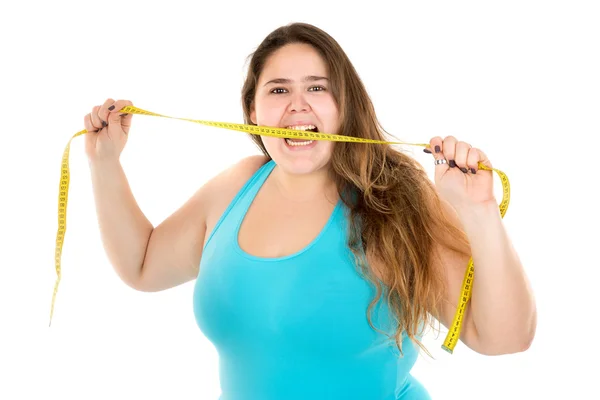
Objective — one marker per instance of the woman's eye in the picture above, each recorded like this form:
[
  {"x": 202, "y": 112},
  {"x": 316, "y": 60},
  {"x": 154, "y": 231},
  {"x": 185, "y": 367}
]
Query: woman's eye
[{"x": 282, "y": 90}]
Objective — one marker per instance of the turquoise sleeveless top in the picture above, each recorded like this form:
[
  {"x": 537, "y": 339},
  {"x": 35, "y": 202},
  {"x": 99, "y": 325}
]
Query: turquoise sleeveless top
[{"x": 296, "y": 327}]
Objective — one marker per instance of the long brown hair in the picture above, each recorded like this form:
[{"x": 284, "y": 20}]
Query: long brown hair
[{"x": 396, "y": 216}]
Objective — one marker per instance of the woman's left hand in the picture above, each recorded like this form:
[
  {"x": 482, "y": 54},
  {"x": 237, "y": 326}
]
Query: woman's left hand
[{"x": 459, "y": 180}]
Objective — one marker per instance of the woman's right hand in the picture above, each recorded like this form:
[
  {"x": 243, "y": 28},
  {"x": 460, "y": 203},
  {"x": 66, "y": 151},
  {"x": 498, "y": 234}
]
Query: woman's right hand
[{"x": 107, "y": 131}]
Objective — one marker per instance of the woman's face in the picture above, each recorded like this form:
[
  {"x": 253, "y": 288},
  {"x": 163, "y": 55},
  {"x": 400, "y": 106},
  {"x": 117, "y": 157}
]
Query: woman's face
[{"x": 294, "y": 90}]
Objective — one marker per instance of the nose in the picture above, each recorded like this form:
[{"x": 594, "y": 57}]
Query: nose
[{"x": 298, "y": 102}]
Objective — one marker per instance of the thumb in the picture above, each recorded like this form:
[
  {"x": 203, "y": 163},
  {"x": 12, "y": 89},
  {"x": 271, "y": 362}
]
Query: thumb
[
  {"x": 114, "y": 129},
  {"x": 117, "y": 121},
  {"x": 114, "y": 119}
]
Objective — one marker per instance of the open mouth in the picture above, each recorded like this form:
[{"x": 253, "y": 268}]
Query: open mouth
[{"x": 301, "y": 142}]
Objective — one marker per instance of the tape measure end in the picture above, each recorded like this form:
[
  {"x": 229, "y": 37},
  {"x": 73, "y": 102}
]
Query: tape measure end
[{"x": 449, "y": 350}]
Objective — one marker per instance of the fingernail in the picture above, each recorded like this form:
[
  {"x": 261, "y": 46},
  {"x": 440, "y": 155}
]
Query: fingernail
[
  {"x": 452, "y": 163},
  {"x": 122, "y": 115},
  {"x": 104, "y": 124},
  {"x": 463, "y": 169},
  {"x": 427, "y": 151},
  {"x": 473, "y": 171},
  {"x": 111, "y": 108},
  {"x": 437, "y": 149}
]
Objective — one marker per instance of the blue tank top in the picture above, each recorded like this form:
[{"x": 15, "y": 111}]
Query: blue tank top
[{"x": 296, "y": 327}]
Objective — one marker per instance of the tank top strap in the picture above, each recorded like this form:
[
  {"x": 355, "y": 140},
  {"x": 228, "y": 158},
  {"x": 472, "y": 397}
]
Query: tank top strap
[
  {"x": 238, "y": 206},
  {"x": 249, "y": 191}
]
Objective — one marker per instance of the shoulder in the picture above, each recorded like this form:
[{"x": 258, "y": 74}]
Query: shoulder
[
  {"x": 235, "y": 176},
  {"x": 246, "y": 167},
  {"x": 221, "y": 189}
]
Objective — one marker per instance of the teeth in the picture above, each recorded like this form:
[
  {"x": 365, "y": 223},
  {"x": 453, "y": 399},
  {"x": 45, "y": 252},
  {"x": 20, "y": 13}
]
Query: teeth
[
  {"x": 301, "y": 127},
  {"x": 305, "y": 143},
  {"x": 297, "y": 143}
]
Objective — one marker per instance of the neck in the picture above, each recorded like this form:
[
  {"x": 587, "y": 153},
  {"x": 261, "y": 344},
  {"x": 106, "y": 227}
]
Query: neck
[{"x": 301, "y": 188}]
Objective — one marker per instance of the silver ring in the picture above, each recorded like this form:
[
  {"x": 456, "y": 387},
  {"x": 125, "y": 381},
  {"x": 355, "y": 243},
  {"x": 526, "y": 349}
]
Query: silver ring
[{"x": 440, "y": 161}]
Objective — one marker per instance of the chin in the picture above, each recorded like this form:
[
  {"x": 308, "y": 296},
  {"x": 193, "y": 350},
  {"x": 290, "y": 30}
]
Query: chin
[
  {"x": 301, "y": 167},
  {"x": 300, "y": 161}
]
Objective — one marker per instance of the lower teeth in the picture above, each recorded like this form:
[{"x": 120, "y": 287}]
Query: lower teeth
[{"x": 298, "y": 143}]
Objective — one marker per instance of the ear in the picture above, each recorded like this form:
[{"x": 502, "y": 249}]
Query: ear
[{"x": 253, "y": 116}]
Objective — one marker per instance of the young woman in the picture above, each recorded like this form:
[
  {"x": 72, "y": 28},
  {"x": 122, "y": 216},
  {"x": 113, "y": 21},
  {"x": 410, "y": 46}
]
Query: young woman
[{"x": 319, "y": 263}]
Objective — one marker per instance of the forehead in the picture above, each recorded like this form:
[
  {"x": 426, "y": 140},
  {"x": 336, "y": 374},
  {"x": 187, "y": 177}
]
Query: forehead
[{"x": 294, "y": 61}]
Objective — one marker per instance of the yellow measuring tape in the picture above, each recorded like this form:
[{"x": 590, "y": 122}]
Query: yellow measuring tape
[{"x": 454, "y": 332}]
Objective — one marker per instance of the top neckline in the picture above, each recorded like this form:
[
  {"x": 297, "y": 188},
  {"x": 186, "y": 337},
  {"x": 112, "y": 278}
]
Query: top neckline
[{"x": 252, "y": 195}]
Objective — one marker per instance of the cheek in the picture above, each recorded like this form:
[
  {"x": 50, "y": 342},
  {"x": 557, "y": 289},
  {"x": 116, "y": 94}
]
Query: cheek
[
  {"x": 271, "y": 143},
  {"x": 328, "y": 147},
  {"x": 329, "y": 114},
  {"x": 269, "y": 109}
]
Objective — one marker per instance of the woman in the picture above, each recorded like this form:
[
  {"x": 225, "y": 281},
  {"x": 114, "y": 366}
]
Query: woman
[{"x": 320, "y": 262}]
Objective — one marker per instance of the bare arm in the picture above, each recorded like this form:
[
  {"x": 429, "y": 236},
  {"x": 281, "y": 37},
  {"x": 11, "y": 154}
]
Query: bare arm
[
  {"x": 175, "y": 246},
  {"x": 501, "y": 317},
  {"x": 124, "y": 229}
]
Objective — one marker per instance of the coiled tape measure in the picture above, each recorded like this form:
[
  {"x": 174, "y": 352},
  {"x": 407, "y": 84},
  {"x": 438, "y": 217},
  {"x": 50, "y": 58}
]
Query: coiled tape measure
[{"x": 454, "y": 332}]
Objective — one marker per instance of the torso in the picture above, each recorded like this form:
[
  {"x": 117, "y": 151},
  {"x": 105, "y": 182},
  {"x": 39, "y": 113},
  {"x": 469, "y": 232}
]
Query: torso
[{"x": 278, "y": 328}]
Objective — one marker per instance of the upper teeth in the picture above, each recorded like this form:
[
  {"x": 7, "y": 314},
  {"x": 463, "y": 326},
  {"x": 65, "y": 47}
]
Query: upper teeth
[{"x": 301, "y": 127}]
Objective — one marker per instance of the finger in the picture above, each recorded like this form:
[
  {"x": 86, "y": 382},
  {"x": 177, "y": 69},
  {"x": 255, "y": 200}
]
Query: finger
[
  {"x": 475, "y": 157},
  {"x": 126, "y": 118},
  {"x": 96, "y": 122},
  {"x": 436, "y": 141},
  {"x": 118, "y": 119},
  {"x": 115, "y": 110},
  {"x": 103, "y": 111},
  {"x": 449, "y": 150},
  {"x": 435, "y": 144},
  {"x": 87, "y": 122},
  {"x": 462, "y": 150},
  {"x": 473, "y": 160},
  {"x": 116, "y": 107},
  {"x": 438, "y": 153}
]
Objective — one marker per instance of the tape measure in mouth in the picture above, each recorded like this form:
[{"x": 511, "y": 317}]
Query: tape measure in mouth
[{"x": 63, "y": 196}]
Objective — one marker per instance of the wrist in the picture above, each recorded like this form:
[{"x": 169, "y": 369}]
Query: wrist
[
  {"x": 104, "y": 166},
  {"x": 478, "y": 211},
  {"x": 103, "y": 162}
]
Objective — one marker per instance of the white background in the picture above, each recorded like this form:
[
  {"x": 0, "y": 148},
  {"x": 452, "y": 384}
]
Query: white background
[{"x": 519, "y": 79}]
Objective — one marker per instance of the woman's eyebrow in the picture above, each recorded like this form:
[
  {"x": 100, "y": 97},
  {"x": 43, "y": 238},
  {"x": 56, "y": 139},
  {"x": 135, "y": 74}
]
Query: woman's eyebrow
[{"x": 309, "y": 78}]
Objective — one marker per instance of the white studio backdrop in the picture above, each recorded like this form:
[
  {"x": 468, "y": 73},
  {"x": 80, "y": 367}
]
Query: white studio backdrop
[{"x": 518, "y": 79}]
